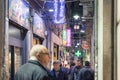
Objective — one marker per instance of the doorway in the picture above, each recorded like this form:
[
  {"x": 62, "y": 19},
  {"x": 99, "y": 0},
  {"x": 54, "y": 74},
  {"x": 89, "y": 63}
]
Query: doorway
[
  {"x": 16, "y": 45},
  {"x": 56, "y": 51},
  {"x": 15, "y": 60}
]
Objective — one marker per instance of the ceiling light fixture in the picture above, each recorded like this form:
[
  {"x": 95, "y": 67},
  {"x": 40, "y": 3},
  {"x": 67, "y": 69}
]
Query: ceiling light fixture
[
  {"x": 50, "y": 10},
  {"x": 82, "y": 31},
  {"x": 83, "y": 20},
  {"x": 80, "y": 4},
  {"x": 76, "y": 27},
  {"x": 76, "y": 17},
  {"x": 78, "y": 44}
]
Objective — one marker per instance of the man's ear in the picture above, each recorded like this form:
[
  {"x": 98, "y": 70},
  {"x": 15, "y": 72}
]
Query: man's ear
[{"x": 38, "y": 56}]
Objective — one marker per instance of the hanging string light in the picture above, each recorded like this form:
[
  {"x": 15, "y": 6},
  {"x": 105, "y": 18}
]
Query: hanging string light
[{"x": 68, "y": 1}]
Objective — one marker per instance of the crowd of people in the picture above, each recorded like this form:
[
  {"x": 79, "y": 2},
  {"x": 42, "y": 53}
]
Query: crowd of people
[{"x": 36, "y": 68}]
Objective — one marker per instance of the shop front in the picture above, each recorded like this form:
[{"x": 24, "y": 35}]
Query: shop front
[
  {"x": 56, "y": 43},
  {"x": 15, "y": 49},
  {"x": 18, "y": 26},
  {"x": 38, "y": 29}
]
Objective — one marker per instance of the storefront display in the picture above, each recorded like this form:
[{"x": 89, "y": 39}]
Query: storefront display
[
  {"x": 19, "y": 12},
  {"x": 16, "y": 50},
  {"x": 38, "y": 26},
  {"x": 56, "y": 52}
]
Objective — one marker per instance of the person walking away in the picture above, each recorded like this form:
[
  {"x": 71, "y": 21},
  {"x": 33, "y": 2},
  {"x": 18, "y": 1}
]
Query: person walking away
[
  {"x": 86, "y": 73},
  {"x": 75, "y": 70},
  {"x": 35, "y": 68},
  {"x": 58, "y": 73}
]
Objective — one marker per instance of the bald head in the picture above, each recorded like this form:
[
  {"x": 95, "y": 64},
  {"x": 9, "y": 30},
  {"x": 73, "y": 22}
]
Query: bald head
[
  {"x": 40, "y": 53},
  {"x": 38, "y": 49}
]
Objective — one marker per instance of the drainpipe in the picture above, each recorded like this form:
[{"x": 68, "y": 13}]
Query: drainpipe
[
  {"x": 48, "y": 36},
  {"x": 2, "y": 40},
  {"x": 95, "y": 28}
]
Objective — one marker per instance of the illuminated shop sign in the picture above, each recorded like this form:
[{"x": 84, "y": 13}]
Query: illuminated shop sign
[
  {"x": 78, "y": 53},
  {"x": 59, "y": 7},
  {"x": 64, "y": 37},
  {"x": 19, "y": 12},
  {"x": 85, "y": 45},
  {"x": 64, "y": 34},
  {"x": 68, "y": 39},
  {"x": 38, "y": 26}
]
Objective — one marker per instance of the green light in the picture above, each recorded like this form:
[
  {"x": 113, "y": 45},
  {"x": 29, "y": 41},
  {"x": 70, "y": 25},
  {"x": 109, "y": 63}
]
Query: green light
[
  {"x": 78, "y": 53},
  {"x": 64, "y": 51},
  {"x": 64, "y": 34}
]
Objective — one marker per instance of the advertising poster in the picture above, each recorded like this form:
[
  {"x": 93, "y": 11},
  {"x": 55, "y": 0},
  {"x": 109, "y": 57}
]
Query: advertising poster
[
  {"x": 38, "y": 26},
  {"x": 19, "y": 12}
]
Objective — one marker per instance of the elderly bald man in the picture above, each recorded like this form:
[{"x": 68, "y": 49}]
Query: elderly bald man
[{"x": 35, "y": 68}]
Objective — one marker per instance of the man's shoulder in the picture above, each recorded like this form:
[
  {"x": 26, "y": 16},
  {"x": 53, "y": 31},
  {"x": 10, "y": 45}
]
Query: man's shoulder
[
  {"x": 52, "y": 71},
  {"x": 74, "y": 67},
  {"x": 33, "y": 70},
  {"x": 31, "y": 67},
  {"x": 87, "y": 74},
  {"x": 88, "y": 68}
]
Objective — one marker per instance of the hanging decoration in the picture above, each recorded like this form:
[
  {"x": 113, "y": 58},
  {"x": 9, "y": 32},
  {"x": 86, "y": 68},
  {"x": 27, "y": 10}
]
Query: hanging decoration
[{"x": 59, "y": 11}]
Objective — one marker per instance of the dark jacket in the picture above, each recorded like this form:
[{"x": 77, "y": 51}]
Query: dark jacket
[
  {"x": 32, "y": 70},
  {"x": 86, "y": 73},
  {"x": 74, "y": 72},
  {"x": 62, "y": 75}
]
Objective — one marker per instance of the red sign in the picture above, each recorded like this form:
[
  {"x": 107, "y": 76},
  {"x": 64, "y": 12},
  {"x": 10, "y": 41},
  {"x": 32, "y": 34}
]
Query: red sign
[{"x": 85, "y": 45}]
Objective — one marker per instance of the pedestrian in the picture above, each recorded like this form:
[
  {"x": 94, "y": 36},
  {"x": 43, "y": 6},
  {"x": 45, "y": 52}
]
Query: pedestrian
[
  {"x": 71, "y": 66},
  {"x": 36, "y": 67},
  {"x": 57, "y": 73},
  {"x": 75, "y": 70},
  {"x": 86, "y": 73}
]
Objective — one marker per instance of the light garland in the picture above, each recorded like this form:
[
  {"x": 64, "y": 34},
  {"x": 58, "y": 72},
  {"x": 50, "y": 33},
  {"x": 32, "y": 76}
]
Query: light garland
[
  {"x": 59, "y": 7},
  {"x": 65, "y": 1}
]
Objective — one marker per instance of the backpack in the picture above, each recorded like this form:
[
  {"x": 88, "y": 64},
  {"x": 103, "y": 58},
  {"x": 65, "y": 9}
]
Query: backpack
[{"x": 87, "y": 75}]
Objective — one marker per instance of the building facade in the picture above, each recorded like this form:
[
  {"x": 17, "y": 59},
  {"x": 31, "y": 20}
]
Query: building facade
[
  {"x": 106, "y": 43},
  {"x": 23, "y": 28}
]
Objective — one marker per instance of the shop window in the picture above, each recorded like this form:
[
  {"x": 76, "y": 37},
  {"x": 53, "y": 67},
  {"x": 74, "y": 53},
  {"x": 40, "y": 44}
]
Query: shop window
[
  {"x": 56, "y": 51},
  {"x": 36, "y": 41}
]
